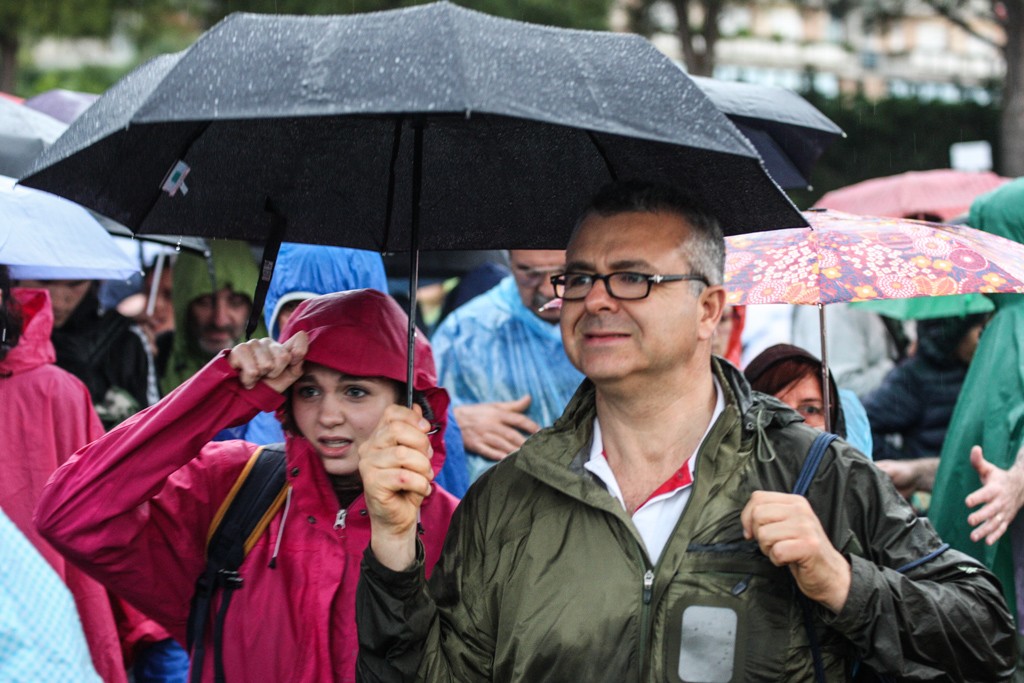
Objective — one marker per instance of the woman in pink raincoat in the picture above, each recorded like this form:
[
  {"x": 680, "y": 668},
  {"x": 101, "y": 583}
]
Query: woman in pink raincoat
[
  {"x": 134, "y": 508},
  {"x": 45, "y": 416}
]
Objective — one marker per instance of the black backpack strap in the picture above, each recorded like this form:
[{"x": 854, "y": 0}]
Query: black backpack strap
[
  {"x": 252, "y": 502},
  {"x": 803, "y": 482}
]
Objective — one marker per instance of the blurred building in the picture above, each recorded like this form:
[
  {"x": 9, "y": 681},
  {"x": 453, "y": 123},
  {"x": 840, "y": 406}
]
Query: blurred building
[{"x": 784, "y": 43}]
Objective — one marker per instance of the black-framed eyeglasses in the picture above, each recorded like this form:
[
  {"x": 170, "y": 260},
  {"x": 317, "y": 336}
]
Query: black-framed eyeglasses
[{"x": 625, "y": 285}]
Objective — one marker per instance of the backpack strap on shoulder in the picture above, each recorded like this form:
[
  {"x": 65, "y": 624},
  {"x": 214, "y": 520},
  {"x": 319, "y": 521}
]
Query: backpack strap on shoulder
[
  {"x": 813, "y": 460},
  {"x": 243, "y": 516},
  {"x": 815, "y": 455}
]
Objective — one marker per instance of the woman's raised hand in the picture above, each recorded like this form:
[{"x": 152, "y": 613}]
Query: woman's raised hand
[{"x": 279, "y": 365}]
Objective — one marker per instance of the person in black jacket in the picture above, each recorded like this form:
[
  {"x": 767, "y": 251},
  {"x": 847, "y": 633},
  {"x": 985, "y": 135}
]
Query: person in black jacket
[
  {"x": 102, "y": 348},
  {"x": 910, "y": 411}
]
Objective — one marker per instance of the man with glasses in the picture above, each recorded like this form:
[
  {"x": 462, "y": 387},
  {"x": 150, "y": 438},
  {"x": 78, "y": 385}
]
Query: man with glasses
[
  {"x": 500, "y": 357},
  {"x": 650, "y": 535}
]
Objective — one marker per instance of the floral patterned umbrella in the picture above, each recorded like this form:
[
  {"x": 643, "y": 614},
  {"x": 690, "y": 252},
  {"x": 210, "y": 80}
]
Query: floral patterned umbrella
[{"x": 843, "y": 257}]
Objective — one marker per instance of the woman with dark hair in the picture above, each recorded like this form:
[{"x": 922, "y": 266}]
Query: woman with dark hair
[
  {"x": 793, "y": 375},
  {"x": 45, "y": 416}
]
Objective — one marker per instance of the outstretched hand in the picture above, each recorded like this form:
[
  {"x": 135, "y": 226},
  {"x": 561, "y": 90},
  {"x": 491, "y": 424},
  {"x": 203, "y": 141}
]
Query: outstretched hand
[
  {"x": 790, "y": 534},
  {"x": 278, "y": 365},
  {"x": 394, "y": 464},
  {"x": 1001, "y": 496}
]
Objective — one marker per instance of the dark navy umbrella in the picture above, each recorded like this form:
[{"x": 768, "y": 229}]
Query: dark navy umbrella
[
  {"x": 789, "y": 132},
  {"x": 432, "y": 127}
]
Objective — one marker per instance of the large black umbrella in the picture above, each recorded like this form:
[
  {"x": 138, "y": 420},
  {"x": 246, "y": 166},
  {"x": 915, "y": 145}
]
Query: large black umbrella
[
  {"x": 788, "y": 131},
  {"x": 432, "y": 127}
]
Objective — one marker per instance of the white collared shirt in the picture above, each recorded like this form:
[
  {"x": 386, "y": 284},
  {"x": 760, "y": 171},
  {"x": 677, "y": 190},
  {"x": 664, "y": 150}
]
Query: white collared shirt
[{"x": 657, "y": 517}]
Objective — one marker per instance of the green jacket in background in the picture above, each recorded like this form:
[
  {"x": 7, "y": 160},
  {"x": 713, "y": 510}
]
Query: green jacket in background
[
  {"x": 990, "y": 410},
  {"x": 234, "y": 267},
  {"x": 544, "y": 577}
]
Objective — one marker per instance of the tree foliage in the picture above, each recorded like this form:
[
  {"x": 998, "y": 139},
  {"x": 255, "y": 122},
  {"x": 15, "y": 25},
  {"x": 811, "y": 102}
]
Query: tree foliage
[
  {"x": 168, "y": 25},
  {"x": 591, "y": 14},
  {"x": 893, "y": 135}
]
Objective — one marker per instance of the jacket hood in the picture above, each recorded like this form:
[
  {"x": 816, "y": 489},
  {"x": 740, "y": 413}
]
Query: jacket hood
[
  {"x": 779, "y": 353},
  {"x": 234, "y": 267},
  {"x": 303, "y": 271},
  {"x": 1001, "y": 212},
  {"x": 363, "y": 333},
  {"x": 937, "y": 339},
  {"x": 34, "y": 348}
]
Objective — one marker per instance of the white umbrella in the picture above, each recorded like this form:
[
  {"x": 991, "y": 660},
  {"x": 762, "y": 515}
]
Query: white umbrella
[{"x": 44, "y": 237}]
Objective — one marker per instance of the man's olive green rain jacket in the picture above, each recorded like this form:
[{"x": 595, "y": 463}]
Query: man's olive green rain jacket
[{"x": 543, "y": 576}]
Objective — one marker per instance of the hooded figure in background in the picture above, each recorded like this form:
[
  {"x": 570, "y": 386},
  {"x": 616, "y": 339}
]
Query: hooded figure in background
[
  {"x": 45, "y": 415},
  {"x": 916, "y": 399},
  {"x": 135, "y": 507},
  {"x": 990, "y": 414},
  {"x": 208, "y": 320}
]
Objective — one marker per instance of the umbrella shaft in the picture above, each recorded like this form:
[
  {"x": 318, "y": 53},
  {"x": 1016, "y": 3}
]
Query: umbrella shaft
[{"x": 414, "y": 250}]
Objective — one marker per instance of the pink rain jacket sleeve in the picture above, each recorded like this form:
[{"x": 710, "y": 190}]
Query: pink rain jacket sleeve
[{"x": 134, "y": 508}]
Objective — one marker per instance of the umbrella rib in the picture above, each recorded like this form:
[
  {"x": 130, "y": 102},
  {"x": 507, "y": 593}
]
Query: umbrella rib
[
  {"x": 392, "y": 169},
  {"x": 613, "y": 176}
]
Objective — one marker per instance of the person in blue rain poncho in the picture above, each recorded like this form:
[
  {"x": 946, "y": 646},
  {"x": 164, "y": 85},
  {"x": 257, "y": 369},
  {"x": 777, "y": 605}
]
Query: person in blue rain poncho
[
  {"x": 303, "y": 271},
  {"x": 41, "y": 636},
  {"x": 501, "y": 359}
]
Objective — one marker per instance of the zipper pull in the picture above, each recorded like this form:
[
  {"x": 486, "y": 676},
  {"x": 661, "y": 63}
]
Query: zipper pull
[
  {"x": 742, "y": 585},
  {"x": 339, "y": 521},
  {"x": 648, "y": 585}
]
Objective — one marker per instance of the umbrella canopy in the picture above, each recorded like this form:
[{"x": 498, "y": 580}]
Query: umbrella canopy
[
  {"x": 942, "y": 193},
  {"x": 63, "y": 105},
  {"x": 843, "y": 257},
  {"x": 356, "y": 129},
  {"x": 24, "y": 134},
  {"x": 928, "y": 308},
  {"x": 44, "y": 237},
  {"x": 788, "y": 132}
]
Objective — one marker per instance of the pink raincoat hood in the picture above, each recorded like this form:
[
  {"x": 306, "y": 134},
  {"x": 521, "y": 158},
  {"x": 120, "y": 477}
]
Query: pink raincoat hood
[
  {"x": 34, "y": 348},
  {"x": 364, "y": 333}
]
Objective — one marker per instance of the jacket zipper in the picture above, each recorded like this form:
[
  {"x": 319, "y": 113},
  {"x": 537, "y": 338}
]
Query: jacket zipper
[
  {"x": 339, "y": 520},
  {"x": 645, "y": 614}
]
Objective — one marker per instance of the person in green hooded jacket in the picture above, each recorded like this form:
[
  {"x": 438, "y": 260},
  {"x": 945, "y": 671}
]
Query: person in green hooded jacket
[
  {"x": 652, "y": 533},
  {"x": 982, "y": 461},
  {"x": 207, "y": 321}
]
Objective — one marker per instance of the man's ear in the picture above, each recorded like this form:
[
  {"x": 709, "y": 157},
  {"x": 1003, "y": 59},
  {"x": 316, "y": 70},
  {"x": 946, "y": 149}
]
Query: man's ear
[{"x": 712, "y": 302}]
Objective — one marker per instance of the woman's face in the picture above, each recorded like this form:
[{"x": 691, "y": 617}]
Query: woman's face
[
  {"x": 804, "y": 396},
  {"x": 337, "y": 412}
]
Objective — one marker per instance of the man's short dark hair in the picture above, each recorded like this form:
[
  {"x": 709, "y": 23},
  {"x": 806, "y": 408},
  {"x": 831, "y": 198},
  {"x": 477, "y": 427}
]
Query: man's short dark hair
[{"x": 706, "y": 244}]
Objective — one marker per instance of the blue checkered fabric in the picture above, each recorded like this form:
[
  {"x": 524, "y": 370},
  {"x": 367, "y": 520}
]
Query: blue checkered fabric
[{"x": 41, "y": 637}]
